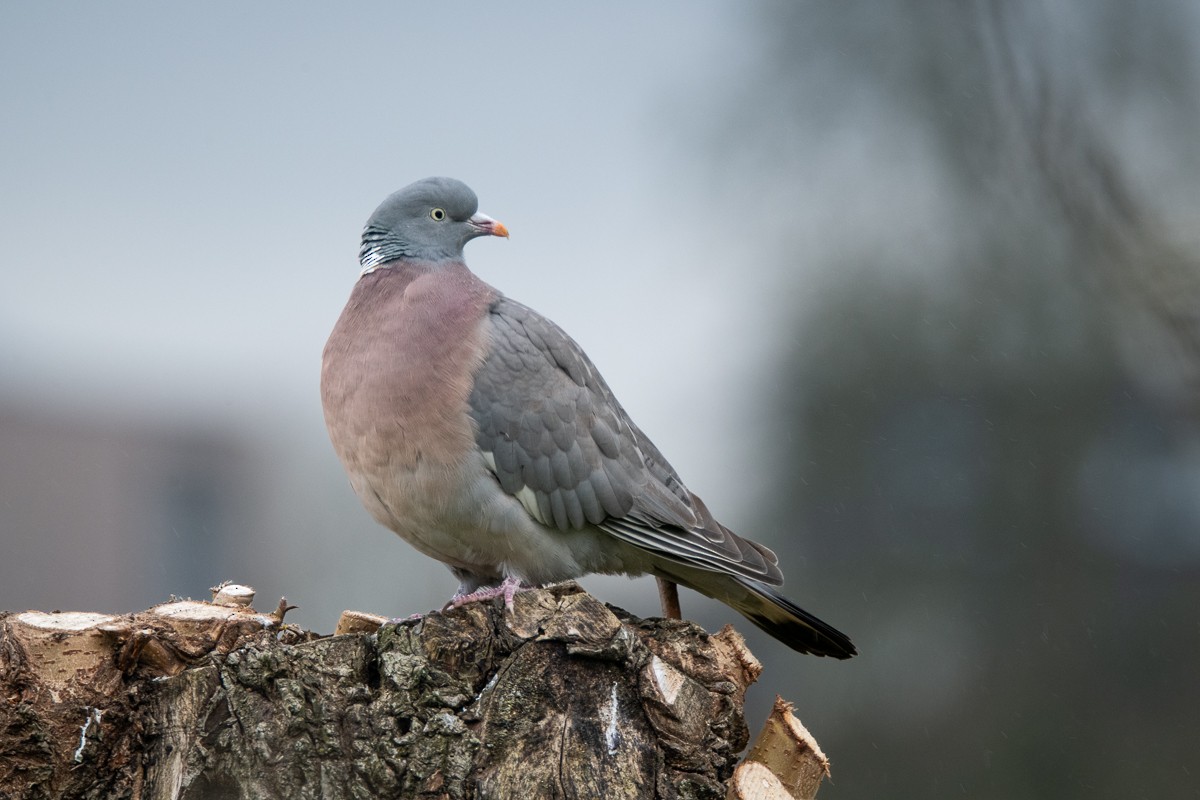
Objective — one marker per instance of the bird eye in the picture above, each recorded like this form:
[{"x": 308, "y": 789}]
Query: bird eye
[{"x": 438, "y": 214}]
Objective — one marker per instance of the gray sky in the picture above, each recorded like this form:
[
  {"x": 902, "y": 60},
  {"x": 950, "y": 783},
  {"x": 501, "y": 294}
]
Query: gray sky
[{"x": 183, "y": 187}]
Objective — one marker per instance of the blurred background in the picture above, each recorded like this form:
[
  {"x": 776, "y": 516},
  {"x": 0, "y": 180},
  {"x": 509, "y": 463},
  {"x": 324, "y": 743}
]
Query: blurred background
[{"x": 909, "y": 292}]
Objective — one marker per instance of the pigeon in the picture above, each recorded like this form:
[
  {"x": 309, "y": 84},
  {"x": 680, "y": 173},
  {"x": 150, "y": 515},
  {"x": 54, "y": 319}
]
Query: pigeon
[{"x": 483, "y": 435}]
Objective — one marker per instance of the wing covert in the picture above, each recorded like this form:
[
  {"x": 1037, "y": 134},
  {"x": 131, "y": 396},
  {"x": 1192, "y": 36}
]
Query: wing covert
[{"x": 557, "y": 439}]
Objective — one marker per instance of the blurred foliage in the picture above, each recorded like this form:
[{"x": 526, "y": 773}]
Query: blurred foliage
[{"x": 992, "y": 466}]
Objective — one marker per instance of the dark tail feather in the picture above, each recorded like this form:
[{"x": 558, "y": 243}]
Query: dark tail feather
[
  {"x": 765, "y": 607},
  {"x": 788, "y": 622}
]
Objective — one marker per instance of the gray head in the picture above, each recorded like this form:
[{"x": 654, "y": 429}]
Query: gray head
[{"x": 429, "y": 220}]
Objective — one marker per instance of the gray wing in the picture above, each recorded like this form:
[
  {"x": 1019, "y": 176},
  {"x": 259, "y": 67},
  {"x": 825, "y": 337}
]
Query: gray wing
[{"x": 557, "y": 439}]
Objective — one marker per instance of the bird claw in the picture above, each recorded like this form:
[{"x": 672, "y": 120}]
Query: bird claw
[{"x": 507, "y": 589}]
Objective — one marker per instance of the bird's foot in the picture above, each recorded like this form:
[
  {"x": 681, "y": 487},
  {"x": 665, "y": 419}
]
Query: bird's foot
[{"x": 507, "y": 589}]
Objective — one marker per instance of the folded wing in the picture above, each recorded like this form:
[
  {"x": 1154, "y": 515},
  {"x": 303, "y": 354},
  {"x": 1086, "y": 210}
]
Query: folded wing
[{"x": 557, "y": 439}]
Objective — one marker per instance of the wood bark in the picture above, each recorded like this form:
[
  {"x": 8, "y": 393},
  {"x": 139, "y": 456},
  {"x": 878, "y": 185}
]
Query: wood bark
[{"x": 560, "y": 697}]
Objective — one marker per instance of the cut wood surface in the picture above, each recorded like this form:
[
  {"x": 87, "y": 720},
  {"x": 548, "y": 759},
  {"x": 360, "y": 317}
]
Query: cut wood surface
[
  {"x": 562, "y": 696},
  {"x": 785, "y": 761}
]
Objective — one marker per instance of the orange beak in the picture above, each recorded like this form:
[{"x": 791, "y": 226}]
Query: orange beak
[{"x": 489, "y": 226}]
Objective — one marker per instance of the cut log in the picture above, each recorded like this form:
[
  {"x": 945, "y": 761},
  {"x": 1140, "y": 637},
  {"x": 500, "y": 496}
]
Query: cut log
[{"x": 561, "y": 697}]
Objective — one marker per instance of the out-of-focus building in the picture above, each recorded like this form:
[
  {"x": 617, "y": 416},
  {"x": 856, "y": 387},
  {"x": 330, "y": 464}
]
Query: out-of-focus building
[{"x": 138, "y": 512}]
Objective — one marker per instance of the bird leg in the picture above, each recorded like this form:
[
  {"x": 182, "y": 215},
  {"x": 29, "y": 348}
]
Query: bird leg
[
  {"x": 668, "y": 595},
  {"x": 507, "y": 589}
]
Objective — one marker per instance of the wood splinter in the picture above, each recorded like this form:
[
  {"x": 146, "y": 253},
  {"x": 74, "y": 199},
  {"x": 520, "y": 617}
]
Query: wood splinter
[{"x": 785, "y": 762}]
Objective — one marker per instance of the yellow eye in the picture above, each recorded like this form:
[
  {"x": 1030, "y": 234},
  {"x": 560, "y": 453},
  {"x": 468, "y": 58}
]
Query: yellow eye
[{"x": 438, "y": 214}]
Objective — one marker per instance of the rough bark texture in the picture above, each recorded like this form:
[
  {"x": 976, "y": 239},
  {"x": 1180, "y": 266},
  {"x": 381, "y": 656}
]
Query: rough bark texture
[{"x": 560, "y": 697}]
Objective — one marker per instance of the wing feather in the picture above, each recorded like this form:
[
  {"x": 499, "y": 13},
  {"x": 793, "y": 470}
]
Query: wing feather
[{"x": 552, "y": 428}]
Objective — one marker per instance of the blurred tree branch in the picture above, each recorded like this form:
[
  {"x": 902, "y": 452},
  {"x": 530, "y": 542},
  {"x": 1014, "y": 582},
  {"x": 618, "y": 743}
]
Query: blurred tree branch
[
  {"x": 1139, "y": 264},
  {"x": 984, "y": 440}
]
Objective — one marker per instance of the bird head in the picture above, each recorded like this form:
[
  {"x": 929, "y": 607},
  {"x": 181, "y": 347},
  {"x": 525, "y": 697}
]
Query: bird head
[{"x": 430, "y": 220}]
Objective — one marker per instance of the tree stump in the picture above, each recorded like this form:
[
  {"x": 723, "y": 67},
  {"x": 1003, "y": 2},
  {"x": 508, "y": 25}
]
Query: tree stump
[{"x": 562, "y": 697}]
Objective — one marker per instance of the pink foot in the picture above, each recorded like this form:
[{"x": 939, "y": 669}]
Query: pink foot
[{"x": 507, "y": 589}]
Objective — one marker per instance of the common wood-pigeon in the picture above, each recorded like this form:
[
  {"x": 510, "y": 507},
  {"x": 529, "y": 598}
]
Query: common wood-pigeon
[{"x": 480, "y": 432}]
